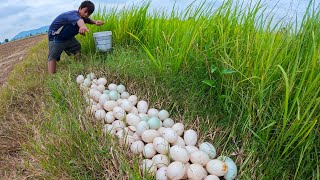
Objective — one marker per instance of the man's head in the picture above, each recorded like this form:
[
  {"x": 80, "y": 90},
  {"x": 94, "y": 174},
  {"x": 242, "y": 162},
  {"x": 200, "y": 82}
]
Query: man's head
[{"x": 86, "y": 9}]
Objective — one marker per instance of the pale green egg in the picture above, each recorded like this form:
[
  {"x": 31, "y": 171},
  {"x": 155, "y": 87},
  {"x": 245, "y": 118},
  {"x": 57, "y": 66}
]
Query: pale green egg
[{"x": 154, "y": 123}]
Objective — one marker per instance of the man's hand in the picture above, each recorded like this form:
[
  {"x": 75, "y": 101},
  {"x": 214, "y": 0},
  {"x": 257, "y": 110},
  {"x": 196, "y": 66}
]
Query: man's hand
[
  {"x": 83, "y": 30},
  {"x": 99, "y": 22}
]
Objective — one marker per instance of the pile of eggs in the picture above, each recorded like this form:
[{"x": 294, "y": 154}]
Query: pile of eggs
[{"x": 170, "y": 151}]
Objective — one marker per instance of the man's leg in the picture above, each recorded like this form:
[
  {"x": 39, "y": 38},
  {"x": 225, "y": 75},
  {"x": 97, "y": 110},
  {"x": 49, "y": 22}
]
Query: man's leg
[{"x": 52, "y": 66}]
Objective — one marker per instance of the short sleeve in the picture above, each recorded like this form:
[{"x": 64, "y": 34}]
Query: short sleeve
[{"x": 73, "y": 18}]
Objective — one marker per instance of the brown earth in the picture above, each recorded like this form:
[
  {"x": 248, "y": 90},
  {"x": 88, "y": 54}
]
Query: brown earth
[{"x": 13, "y": 52}]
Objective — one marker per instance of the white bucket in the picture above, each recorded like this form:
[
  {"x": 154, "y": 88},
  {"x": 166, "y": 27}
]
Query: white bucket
[{"x": 103, "y": 40}]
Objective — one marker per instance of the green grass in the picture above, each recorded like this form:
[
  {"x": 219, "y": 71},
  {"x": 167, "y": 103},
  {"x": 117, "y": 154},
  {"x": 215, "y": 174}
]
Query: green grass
[{"x": 249, "y": 88}]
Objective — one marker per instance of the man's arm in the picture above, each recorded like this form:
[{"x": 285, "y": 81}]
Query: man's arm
[{"x": 82, "y": 27}]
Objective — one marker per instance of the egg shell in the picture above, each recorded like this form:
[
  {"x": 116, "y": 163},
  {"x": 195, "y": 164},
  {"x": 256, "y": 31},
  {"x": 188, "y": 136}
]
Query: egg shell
[
  {"x": 199, "y": 157},
  {"x": 217, "y": 167},
  {"x": 149, "y": 135},
  {"x": 212, "y": 177},
  {"x": 136, "y": 137},
  {"x": 108, "y": 128},
  {"x": 128, "y": 140},
  {"x": 103, "y": 99},
  {"x": 170, "y": 135},
  {"x": 190, "y": 137},
  {"x": 142, "y": 106},
  {"x": 168, "y": 123},
  {"x": 153, "y": 112},
  {"x": 114, "y": 95},
  {"x": 112, "y": 87},
  {"x": 196, "y": 171},
  {"x": 154, "y": 123},
  {"x": 141, "y": 127},
  {"x": 162, "y": 174},
  {"x": 99, "y": 106},
  {"x": 137, "y": 147},
  {"x": 160, "y": 130},
  {"x": 163, "y": 114},
  {"x": 176, "y": 170},
  {"x": 126, "y": 105},
  {"x": 80, "y": 79},
  {"x": 147, "y": 166},
  {"x": 209, "y": 149},
  {"x": 128, "y": 131},
  {"x": 144, "y": 117},
  {"x": 134, "y": 110},
  {"x": 120, "y": 134},
  {"x": 161, "y": 160},
  {"x": 161, "y": 145},
  {"x": 149, "y": 151},
  {"x": 178, "y": 153},
  {"x": 121, "y": 88},
  {"x": 132, "y": 119},
  {"x": 119, "y": 112},
  {"x": 232, "y": 167},
  {"x": 96, "y": 95},
  {"x": 179, "y": 128},
  {"x": 133, "y": 99}
]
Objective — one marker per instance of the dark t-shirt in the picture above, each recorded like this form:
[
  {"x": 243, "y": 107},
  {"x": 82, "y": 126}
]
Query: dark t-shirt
[{"x": 69, "y": 22}]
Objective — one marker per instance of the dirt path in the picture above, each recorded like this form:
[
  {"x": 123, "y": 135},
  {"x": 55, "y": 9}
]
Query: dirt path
[{"x": 13, "y": 52}]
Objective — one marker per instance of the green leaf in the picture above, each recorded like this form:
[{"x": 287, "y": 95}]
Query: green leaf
[
  {"x": 228, "y": 71},
  {"x": 210, "y": 83},
  {"x": 213, "y": 68}
]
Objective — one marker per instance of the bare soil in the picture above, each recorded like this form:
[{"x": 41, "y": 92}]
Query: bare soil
[{"x": 14, "y": 52}]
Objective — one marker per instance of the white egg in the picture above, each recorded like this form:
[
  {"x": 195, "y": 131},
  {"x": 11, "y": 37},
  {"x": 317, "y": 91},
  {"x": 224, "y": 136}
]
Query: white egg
[
  {"x": 102, "y": 81},
  {"x": 126, "y": 105},
  {"x": 87, "y": 82},
  {"x": 133, "y": 99},
  {"x": 160, "y": 130},
  {"x": 103, "y": 99},
  {"x": 217, "y": 167},
  {"x": 127, "y": 140},
  {"x": 191, "y": 149},
  {"x": 84, "y": 88},
  {"x": 109, "y": 105},
  {"x": 163, "y": 114},
  {"x": 149, "y": 135},
  {"x": 179, "y": 128},
  {"x": 170, "y": 135},
  {"x": 232, "y": 167},
  {"x": 162, "y": 174},
  {"x": 80, "y": 79},
  {"x": 96, "y": 95},
  {"x": 91, "y": 76},
  {"x": 141, "y": 127},
  {"x": 121, "y": 88},
  {"x": 176, "y": 170},
  {"x": 132, "y": 119},
  {"x": 119, "y": 102},
  {"x": 153, "y": 112},
  {"x": 120, "y": 134},
  {"x": 137, "y": 147},
  {"x": 136, "y": 137},
  {"x": 187, "y": 164},
  {"x": 142, "y": 106},
  {"x": 196, "y": 171},
  {"x": 148, "y": 167},
  {"x": 100, "y": 114},
  {"x": 143, "y": 117},
  {"x": 125, "y": 95},
  {"x": 178, "y": 153},
  {"x": 112, "y": 87},
  {"x": 99, "y": 106},
  {"x": 161, "y": 160},
  {"x": 134, "y": 110},
  {"x": 199, "y": 157},
  {"x": 212, "y": 177},
  {"x": 108, "y": 128},
  {"x": 109, "y": 117},
  {"x": 94, "y": 87},
  {"x": 209, "y": 149},
  {"x": 118, "y": 124},
  {"x": 101, "y": 88},
  {"x": 168, "y": 123},
  {"x": 128, "y": 131},
  {"x": 91, "y": 92},
  {"x": 119, "y": 113},
  {"x": 149, "y": 151},
  {"x": 190, "y": 137},
  {"x": 179, "y": 142},
  {"x": 161, "y": 145}
]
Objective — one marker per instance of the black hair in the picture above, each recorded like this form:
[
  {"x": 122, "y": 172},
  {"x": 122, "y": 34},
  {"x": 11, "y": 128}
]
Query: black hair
[{"x": 87, "y": 4}]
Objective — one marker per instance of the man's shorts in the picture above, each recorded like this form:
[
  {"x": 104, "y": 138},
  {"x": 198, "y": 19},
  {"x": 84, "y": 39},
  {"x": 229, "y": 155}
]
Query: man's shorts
[{"x": 71, "y": 47}]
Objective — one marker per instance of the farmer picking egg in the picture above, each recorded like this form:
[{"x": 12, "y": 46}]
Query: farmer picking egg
[{"x": 171, "y": 150}]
